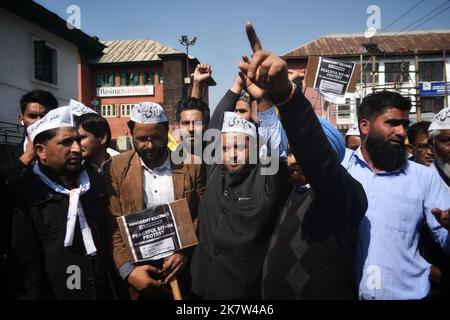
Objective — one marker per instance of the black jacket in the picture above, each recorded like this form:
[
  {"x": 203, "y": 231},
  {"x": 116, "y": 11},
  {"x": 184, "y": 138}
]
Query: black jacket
[
  {"x": 41, "y": 266},
  {"x": 312, "y": 251}
]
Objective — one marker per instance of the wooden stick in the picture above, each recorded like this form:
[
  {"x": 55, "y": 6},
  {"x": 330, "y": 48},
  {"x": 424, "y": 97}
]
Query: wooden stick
[{"x": 175, "y": 289}]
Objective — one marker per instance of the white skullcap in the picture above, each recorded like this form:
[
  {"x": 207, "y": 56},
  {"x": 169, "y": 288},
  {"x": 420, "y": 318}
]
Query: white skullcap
[
  {"x": 56, "y": 118},
  {"x": 79, "y": 109},
  {"x": 441, "y": 121},
  {"x": 353, "y": 131},
  {"x": 148, "y": 112},
  {"x": 232, "y": 122}
]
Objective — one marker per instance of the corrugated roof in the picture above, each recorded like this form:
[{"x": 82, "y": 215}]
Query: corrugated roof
[
  {"x": 388, "y": 42},
  {"x": 118, "y": 51}
]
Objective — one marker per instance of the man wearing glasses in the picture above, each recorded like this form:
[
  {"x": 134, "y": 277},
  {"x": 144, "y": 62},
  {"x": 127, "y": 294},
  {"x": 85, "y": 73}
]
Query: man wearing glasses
[
  {"x": 143, "y": 178},
  {"x": 418, "y": 143}
]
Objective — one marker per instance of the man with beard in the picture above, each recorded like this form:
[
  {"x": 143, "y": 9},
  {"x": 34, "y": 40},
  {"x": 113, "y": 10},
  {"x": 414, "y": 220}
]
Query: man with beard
[
  {"x": 421, "y": 150},
  {"x": 146, "y": 177},
  {"x": 401, "y": 195},
  {"x": 241, "y": 206},
  {"x": 439, "y": 136},
  {"x": 59, "y": 219}
]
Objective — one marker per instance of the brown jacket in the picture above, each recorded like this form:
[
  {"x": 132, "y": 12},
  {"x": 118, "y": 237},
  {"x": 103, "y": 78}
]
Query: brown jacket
[{"x": 125, "y": 192}]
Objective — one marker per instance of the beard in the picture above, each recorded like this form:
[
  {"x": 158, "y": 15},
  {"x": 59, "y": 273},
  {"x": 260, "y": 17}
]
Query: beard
[
  {"x": 156, "y": 153},
  {"x": 444, "y": 166},
  {"x": 385, "y": 155}
]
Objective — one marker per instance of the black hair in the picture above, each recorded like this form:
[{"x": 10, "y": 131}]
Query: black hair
[
  {"x": 95, "y": 124},
  {"x": 39, "y": 96},
  {"x": 44, "y": 136},
  {"x": 191, "y": 103},
  {"x": 376, "y": 103},
  {"x": 417, "y": 128},
  {"x": 131, "y": 124}
]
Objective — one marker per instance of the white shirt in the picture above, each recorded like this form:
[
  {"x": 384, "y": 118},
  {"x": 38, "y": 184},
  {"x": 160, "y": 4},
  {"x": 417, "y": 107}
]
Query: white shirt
[{"x": 158, "y": 184}]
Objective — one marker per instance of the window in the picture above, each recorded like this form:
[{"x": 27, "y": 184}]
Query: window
[
  {"x": 104, "y": 80},
  {"x": 432, "y": 104},
  {"x": 125, "y": 109},
  {"x": 108, "y": 110},
  {"x": 396, "y": 72},
  {"x": 160, "y": 77},
  {"x": 44, "y": 62},
  {"x": 367, "y": 73},
  {"x": 129, "y": 79},
  {"x": 148, "y": 78},
  {"x": 431, "y": 71}
]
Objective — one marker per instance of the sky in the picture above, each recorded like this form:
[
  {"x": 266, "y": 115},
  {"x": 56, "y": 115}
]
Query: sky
[{"x": 220, "y": 25}]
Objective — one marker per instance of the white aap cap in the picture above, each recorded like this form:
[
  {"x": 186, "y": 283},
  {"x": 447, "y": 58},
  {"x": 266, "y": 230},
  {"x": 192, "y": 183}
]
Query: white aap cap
[
  {"x": 79, "y": 109},
  {"x": 353, "y": 131},
  {"x": 56, "y": 118},
  {"x": 441, "y": 121},
  {"x": 232, "y": 122},
  {"x": 148, "y": 112}
]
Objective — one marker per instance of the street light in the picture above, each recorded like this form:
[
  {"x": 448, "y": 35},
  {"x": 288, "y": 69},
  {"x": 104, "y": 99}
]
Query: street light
[{"x": 186, "y": 42}]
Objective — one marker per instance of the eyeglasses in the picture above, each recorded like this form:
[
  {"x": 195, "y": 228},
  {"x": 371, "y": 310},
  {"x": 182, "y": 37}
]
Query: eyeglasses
[{"x": 422, "y": 146}]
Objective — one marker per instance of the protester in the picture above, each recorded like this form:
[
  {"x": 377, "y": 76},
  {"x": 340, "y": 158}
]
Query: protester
[
  {"x": 59, "y": 237},
  {"x": 314, "y": 245},
  {"x": 439, "y": 136},
  {"x": 240, "y": 207},
  {"x": 192, "y": 115},
  {"x": 95, "y": 137},
  {"x": 418, "y": 145},
  {"x": 353, "y": 137},
  {"x": 34, "y": 105},
  {"x": 143, "y": 178},
  {"x": 401, "y": 195}
]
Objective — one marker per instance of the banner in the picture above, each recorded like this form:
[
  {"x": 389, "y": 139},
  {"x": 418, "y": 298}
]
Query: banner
[
  {"x": 125, "y": 91},
  {"x": 332, "y": 79},
  {"x": 159, "y": 231}
]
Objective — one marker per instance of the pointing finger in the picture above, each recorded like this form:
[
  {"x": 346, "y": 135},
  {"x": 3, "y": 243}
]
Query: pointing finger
[{"x": 255, "y": 44}]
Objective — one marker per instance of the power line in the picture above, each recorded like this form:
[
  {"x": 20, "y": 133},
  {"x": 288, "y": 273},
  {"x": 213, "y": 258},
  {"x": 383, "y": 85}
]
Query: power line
[
  {"x": 404, "y": 14},
  {"x": 424, "y": 16},
  {"x": 428, "y": 19}
]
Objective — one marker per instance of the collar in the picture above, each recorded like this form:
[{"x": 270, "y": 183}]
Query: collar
[
  {"x": 165, "y": 166},
  {"x": 302, "y": 189},
  {"x": 359, "y": 158},
  {"x": 53, "y": 176}
]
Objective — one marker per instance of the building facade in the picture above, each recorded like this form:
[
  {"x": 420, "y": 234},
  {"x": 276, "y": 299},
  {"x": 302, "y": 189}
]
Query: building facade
[
  {"x": 133, "y": 71},
  {"x": 38, "y": 51},
  {"x": 415, "y": 64}
]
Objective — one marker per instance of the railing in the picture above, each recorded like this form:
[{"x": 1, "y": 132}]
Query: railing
[{"x": 11, "y": 133}]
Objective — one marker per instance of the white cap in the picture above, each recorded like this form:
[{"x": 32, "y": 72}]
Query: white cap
[
  {"x": 79, "y": 109},
  {"x": 353, "y": 131},
  {"x": 148, "y": 112},
  {"x": 441, "y": 121},
  {"x": 56, "y": 118},
  {"x": 232, "y": 122}
]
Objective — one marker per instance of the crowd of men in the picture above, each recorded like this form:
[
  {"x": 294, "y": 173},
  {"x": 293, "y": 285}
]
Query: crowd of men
[{"x": 338, "y": 218}]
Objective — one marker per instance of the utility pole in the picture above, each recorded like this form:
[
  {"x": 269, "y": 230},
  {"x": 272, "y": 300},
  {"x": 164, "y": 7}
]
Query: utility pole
[
  {"x": 418, "y": 104},
  {"x": 445, "y": 81},
  {"x": 186, "y": 42}
]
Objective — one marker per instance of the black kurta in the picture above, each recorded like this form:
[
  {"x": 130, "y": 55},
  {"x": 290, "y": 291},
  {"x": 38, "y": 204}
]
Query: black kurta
[{"x": 237, "y": 216}]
